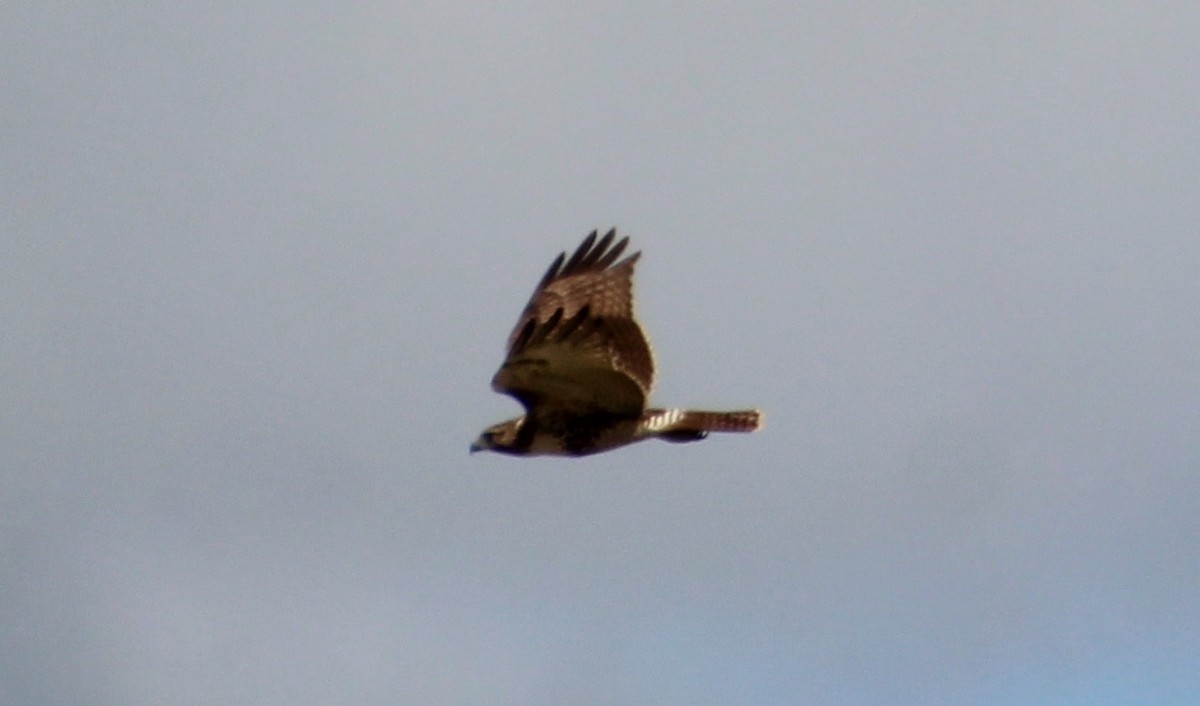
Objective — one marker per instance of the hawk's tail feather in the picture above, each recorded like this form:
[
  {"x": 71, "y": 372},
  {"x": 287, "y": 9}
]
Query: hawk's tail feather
[{"x": 692, "y": 425}]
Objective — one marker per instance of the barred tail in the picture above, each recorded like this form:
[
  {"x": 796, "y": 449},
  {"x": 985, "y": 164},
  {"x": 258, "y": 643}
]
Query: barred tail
[{"x": 690, "y": 425}]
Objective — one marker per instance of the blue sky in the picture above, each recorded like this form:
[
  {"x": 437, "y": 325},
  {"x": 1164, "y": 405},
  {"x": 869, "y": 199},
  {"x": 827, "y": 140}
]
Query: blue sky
[{"x": 258, "y": 264}]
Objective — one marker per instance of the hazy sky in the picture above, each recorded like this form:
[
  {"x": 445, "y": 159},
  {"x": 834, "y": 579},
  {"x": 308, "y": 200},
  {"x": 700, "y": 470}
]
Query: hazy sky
[{"x": 257, "y": 264}]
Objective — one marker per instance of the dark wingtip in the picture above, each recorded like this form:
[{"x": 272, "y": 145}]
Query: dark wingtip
[
  {"x": 552, "y": 272},
  {"x": 611, "y": 256},
  {"x": 603, "y": 244},
  {"x": 588, "y": 256},
  {"x": 581, "y": 253}
]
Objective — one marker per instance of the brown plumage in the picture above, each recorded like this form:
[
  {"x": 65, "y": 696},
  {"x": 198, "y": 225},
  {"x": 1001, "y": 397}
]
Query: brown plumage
[{"x": 580, "y": 364}]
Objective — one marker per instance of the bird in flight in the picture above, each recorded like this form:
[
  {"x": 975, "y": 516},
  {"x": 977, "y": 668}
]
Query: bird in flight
[{"x": 581, "y": 366}]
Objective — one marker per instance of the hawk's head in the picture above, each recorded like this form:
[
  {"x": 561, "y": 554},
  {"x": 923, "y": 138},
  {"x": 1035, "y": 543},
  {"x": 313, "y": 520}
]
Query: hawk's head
[{"x": 501, "y": 437}]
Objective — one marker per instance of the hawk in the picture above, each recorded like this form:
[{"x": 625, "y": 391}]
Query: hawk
[{"x": 581, "y": 366}]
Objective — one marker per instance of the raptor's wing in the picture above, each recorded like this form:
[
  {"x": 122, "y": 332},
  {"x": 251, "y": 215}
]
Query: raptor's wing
[{"x": 577, "y": 345}]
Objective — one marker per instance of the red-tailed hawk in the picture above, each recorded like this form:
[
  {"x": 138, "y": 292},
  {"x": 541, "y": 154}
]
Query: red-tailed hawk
[{"x": 580, "y": 364}]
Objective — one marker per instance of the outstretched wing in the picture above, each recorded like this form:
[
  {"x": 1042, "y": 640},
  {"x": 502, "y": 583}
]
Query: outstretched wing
[{"x": 577, "y": 345}]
